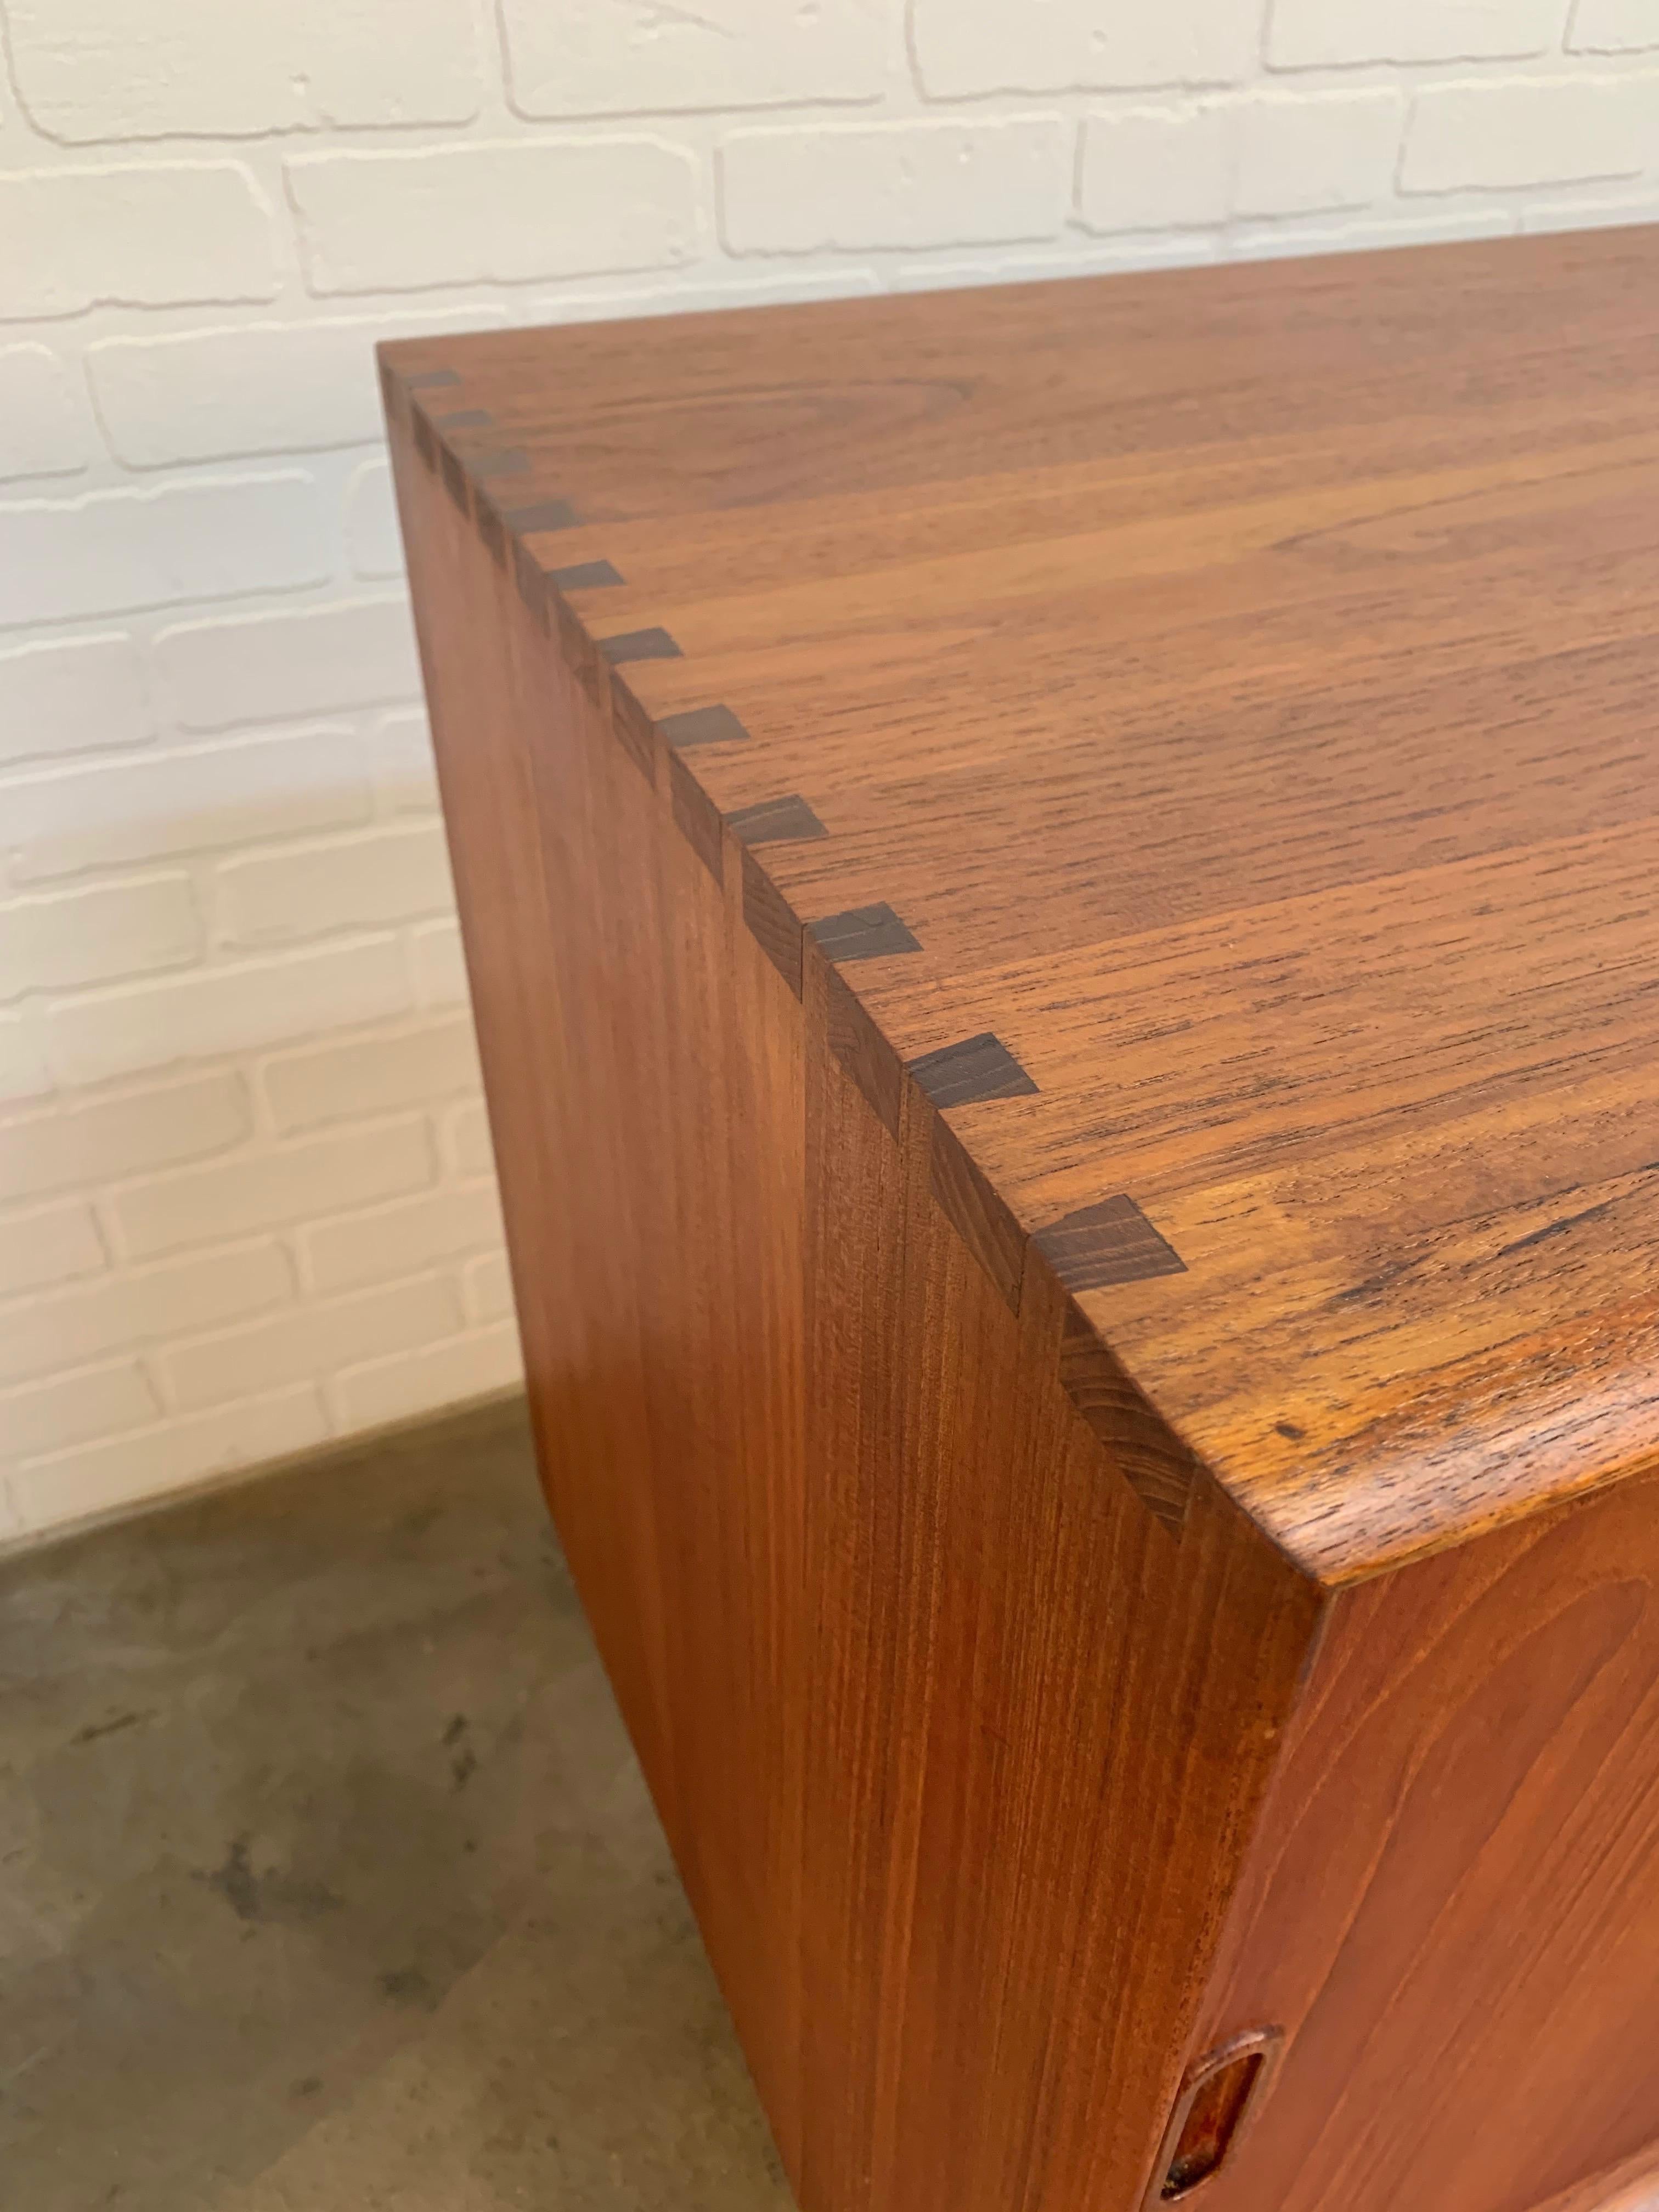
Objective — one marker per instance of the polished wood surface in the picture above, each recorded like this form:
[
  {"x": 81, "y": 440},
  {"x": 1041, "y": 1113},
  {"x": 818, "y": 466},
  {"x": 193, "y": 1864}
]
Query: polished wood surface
[
  {"x": 1241, "y": 683},
  {"x": 1632, "y": 2187},
  {"x": 1060, "y": 885}
]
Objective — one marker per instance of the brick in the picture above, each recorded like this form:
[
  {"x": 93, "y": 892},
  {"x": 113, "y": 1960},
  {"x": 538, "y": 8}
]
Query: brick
[
  {"x": 270, "y": 1189},
  {"x": 41, "y": 1416},
  {"x": 261, "y": 388},
  {"x": 1093, "y": 45},
  {"x": 91, "y": 936},
  {"x": 48, "y": 1244},
  {"x": 1329, "y": 33},
  {"x": 1157, "y": 168},
  {"x": 236, "y": 1006},
  {"x": 401, "y": 763},
  {"x": 110, "y": 550},
  {"x": 468, "y": 1142},
  {"x": 1538, "y": 131},
  {"x": 493, "y": 214},
  {"x": 403, "y": 1239},
  {"x": 119, "y": 1313},
  {"x": 46, "y": 429},
  {"x": 588, "y": 57},
  {"x": 476, "y": 1365},
  {"x": 487, "y": 1286},
  {"x": 103, "y": 1139},
  {"x": 887, "y": 185},
  {"x": 384, "y": 876},
  {"x": 103, "y": 812},
  {"x": 306, "y": 1340},
  {"x": 170, "y": 1455},
  {"x": 1303, "y": 154},
  {"x": 279, "y": 667},
  {"x": 86, "y": 695},
  {"x": 439, "y": 963},
  {"x": 1614, "y": 27},
  {"x": 89, "y": 69},
  {"x": 182, "y": 235},
  {"x": 370, "y": 1075},
  {"x": 24, "y": 1072},
  {"x": 373, "y": 544}
]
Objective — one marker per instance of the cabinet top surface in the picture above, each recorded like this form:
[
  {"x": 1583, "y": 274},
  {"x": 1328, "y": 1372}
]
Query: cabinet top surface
[{"x": 1241, "y": 685}]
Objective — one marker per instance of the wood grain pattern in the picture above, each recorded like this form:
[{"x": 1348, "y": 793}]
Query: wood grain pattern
[
  {"x": 1453, "y": 1900},
  {"x": 852, "y": 1572},
  {"x": 1332, "y": 930},
  {"x": 1631, "y": 2186},
  {"x": 1061, "y": 889}
]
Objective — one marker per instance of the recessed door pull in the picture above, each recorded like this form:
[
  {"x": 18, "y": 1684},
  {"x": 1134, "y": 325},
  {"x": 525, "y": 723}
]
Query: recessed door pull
[{"x": 1218, "y": 2094}]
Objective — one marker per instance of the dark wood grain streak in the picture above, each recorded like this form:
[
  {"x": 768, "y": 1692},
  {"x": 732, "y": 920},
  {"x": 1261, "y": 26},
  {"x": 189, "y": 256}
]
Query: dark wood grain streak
[
  {"x": 542, "y": 514},
  {"x": 639, "y": 645},
  {"x": 976, "y": 1068},
  {"x": 507, "y": 461},
  {"x": 704, "y": 726},
  {"x": 864, "y": 932},
  {"x": 776, "y": 822},
  {"x": 585, "y": 576},
  {"x": 1094, "y": 1247}
]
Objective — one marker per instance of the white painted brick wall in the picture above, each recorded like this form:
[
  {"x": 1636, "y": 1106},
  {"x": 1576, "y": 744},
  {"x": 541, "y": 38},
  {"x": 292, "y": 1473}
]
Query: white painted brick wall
[
  {"x": 1305, "y": 33},
  {"x": 1531, "y": 131},
  {"x": 83, "y": 694},
  {"x": 178, "y": 234},
  {"x": 504, "y": 213},
  {"x": 246, "y": 1193},
  {"x": 856, "y": 185},
  {"x": 592, "y": 58},
  {"x": 1087, "y": 46},
  {"x": 104, "y": 69},
  {"x": 96, "y": 934},
  {"x": 278, "y": 666},
  {"x": 45, "y": 426},
  {"x": 1614, "y": 27}
]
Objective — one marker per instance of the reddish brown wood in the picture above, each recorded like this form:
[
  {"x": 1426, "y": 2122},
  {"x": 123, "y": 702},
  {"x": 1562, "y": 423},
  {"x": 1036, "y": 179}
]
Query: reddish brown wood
[{"x": 1060, "y": 890}]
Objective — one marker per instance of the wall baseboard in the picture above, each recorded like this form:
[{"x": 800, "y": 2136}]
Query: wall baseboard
[{"x": 453, "y": 1423}]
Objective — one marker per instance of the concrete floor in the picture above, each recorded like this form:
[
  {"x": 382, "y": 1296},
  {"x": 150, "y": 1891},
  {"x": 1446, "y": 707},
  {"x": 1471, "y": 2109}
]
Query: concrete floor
[{"x": 328, "y": 1882}]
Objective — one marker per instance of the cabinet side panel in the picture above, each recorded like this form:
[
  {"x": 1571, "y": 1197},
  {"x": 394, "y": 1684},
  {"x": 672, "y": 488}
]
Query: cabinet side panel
[
  {"x": 644, "y": 1076},
  {"x": 957, "y": 1746},
  {"x": 1453, "y": 1904}
]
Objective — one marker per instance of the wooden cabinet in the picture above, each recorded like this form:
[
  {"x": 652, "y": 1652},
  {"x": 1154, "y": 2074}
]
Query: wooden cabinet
[{"x": 1061, "y": 886}]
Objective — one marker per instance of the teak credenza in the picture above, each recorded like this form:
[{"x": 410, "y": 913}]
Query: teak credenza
[{"x": 1061, "y": 885}]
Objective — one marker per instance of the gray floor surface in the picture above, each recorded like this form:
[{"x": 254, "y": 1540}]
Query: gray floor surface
[{"x": 328, "y": 1881}]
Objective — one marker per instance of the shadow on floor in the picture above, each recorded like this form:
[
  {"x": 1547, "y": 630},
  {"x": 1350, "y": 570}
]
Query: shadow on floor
[{"x": 328, "y": 1882}]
